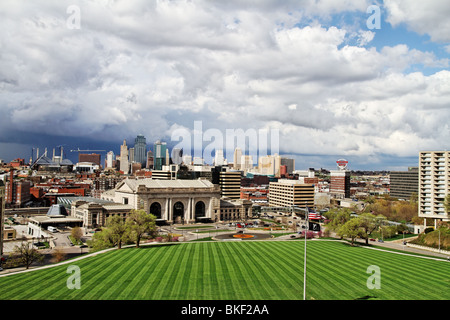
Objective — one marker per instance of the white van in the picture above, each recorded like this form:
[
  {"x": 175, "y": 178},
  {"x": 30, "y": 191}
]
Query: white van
[{"x": 52, "y": 229}]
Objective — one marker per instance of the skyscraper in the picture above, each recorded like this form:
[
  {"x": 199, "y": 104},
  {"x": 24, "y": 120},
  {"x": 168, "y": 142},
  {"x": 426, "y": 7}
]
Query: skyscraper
[
  {"x": 110, "y": 159},
  {"x": 246, "y": 163},
  {"x": 159, "y": 152},
  {"x": 124, "y": 163},
  {"x": 218, "y": 158},
  {"x": 237, "y": 158},
  {"x": 270, "y": 165},
  {"x": 150, "y": 159},
  {"x": 140, "y": 150},
  {"x": 177, "y": 156},
  {"x": 289, "y": 163}
]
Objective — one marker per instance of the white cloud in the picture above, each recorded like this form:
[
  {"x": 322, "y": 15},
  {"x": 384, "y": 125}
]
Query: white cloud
[
  {"x": 425, "y": 17},
  {"x": 150, "y": 67}
]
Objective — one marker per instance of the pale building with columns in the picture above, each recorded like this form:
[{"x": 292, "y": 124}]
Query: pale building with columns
[{"x": 171, "y": 201}]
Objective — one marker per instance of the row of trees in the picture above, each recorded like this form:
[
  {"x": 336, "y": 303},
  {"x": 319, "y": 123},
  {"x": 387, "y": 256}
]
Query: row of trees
[
  {"x": 393, "y": 209},
  {"x": 363, "y": 226},
  {"x": 119, "y": 231}
]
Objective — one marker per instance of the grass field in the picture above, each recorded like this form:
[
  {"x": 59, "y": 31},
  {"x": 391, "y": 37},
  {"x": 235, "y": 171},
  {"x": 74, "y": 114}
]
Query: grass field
[{"x": 241, "y": 270}]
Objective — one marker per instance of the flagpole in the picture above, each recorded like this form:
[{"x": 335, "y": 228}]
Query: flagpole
[{"x": 304, "y": 260}]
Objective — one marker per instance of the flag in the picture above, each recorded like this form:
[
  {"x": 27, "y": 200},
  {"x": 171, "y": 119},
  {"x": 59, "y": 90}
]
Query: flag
[{"x": 314, "y": 215}]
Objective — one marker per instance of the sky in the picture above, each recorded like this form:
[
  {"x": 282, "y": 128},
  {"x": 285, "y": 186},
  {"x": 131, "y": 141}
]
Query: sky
[{"x": 334, "y": 79}]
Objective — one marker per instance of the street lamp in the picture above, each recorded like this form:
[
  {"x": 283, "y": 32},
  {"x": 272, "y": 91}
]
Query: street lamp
[
  {"x": 439, "y": 240},
  {"x": 404, "y": 243},
  {"x": 304, "y": 260}
]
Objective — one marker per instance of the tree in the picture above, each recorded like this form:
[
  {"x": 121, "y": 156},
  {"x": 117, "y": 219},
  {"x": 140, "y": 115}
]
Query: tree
[
  {"x": 27, "y": 253},
  {"x": 58, "y": 255},
  {"x": 447, "y": 204},
  {"x": 101, "y": 240},
  {"x": 337, "y": 217},
  {"x": 140, "y": 222},
  {"x": 351, "y": 229},
  {"x": 119, "y": 230},
  {"x": 368, "y": 224},
  {"x": 76, "y": 233}
]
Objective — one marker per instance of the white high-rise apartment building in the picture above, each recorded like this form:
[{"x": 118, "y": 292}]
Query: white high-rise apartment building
[{"x": 434, "y": 185}]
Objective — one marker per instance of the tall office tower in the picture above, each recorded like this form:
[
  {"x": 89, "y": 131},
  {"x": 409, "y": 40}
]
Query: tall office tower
[
  {"x": 124, "y": 163},
  {"x": 270, "y": 165},
  {"x": 237, "y": 158},
  {"x": 246, "y": 163},
  {"x": 289, "y": 163},
  {"x": 159, "y": 152},
  {"x": 167, "y": 157},
  {"x": 140, "y": 150},
  {"x": 131, "y": 155},
  {"x": 150, "y": 159},
  {"x": 230, "y": 184},
  {"x": 177, "y": 156},
  {"x": 219, "y": 159},
  {"x": 404, "y": 184},
  {"x": 110, "y": 159},
  {"x": 2, "y": 213},
  {"x": 287, "y": 193},
  {"x": 434, "y": 185}
]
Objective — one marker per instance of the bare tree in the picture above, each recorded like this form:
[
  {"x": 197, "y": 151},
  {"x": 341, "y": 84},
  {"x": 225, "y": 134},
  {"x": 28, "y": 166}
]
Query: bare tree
[
  {"x": 26, "y": 254},
  {"x": 58, "y": 255}
]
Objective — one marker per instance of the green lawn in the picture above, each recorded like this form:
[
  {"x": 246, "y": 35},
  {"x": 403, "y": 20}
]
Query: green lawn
[{"x": 238, "y": 270}]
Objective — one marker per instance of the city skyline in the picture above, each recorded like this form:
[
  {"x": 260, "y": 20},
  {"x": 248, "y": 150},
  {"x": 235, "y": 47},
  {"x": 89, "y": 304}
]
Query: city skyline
[{"x": 338, "y": 80}]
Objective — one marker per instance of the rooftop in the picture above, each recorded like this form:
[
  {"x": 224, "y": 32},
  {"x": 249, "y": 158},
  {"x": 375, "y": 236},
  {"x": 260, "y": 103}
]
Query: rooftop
[
  {"x": 57, "y": 210},
  {"x": 151, "y": 183}
]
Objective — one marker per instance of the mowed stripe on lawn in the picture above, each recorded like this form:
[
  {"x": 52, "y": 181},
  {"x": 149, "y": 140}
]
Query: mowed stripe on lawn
[{"x": 236, "y": 270}]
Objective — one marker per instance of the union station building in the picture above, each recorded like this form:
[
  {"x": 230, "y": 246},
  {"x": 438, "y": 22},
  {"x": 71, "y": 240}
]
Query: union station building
[{"x": 171, "y": 201}]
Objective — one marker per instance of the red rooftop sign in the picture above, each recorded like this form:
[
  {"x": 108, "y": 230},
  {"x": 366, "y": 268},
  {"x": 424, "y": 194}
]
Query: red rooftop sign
[{"x": 342, "y": 164}]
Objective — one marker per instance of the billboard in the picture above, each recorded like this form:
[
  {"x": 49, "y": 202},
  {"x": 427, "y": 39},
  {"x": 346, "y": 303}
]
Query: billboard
[{"x": 342, "y": 164}]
